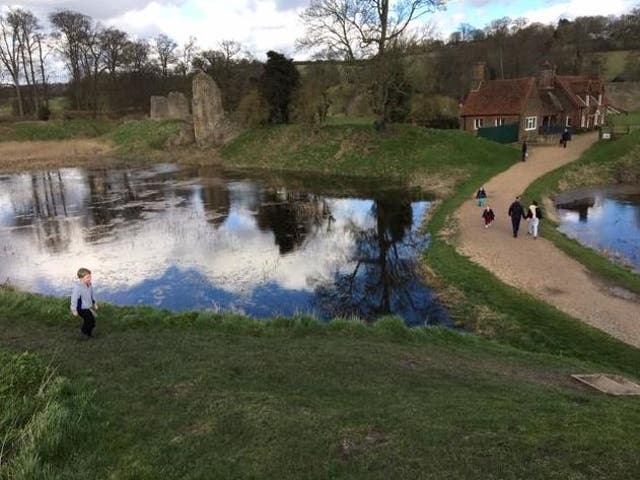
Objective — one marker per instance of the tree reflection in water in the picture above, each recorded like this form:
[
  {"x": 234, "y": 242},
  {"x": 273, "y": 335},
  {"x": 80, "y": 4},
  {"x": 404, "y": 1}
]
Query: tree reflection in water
[
  {"x": 181, "y": 239},
  {"x": 383, "y": 278}
]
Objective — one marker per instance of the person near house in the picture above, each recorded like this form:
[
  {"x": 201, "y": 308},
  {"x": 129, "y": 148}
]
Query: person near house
[
  {"x": 481, "y": 196},
  {"x": 533, "y": 215},
  {"x": 488, "y": 216},
  {"x": 83, "y": 302},
  {"x": 516, "y": 213},
  {"x": 564, "y": 138},
  {"x": 525, "y": 154}
]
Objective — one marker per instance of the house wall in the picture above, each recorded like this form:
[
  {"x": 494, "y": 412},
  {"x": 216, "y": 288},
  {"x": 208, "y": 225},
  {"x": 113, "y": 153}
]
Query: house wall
[
  {"x": 468, "y": 123},
  {"x": 533, "y": 108}
]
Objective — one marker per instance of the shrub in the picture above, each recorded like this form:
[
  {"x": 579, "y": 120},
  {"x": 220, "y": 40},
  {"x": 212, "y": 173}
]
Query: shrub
[{"x": 44, "y": 113}]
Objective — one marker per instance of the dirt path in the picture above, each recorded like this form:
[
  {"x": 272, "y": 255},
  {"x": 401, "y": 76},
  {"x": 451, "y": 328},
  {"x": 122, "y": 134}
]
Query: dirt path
[{"x": 537, "y": 266}]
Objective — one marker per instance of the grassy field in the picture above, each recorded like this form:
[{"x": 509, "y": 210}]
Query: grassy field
[
  {"x": 210, "y": 396},
  {"x": 623, "y": 119},
  {"x": 198, "y": 395},
  {"x": 614, "y": 162},
  {"x": 139, "y": 137},
  {"x": 54, "y": 130},
  {"x": 435, "y": 160}
]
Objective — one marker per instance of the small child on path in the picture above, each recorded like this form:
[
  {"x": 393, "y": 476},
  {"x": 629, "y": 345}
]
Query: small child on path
[
  {"x": 83, "y": 302},
  {"x": 481, "y": 196},
  {"x": 488, "y": 216}
]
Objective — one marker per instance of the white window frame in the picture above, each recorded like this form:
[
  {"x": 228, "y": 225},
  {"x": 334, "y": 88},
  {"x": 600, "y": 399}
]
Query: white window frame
[
  {"x": 530, "y": 123},
  {"x": 568, "y": 121},
  {"x": 499, "y": 122},
  {"x": 582, "y": 120},
  {"x": 477, "y": 123}
]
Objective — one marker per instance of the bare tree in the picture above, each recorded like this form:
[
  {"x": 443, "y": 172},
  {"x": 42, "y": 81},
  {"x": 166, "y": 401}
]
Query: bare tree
[
  {"x": 26, "y": 25},
  {"x": 499, "y": 30},
  {"x": 136, "y": 55},
  {"x": 72, "y": 29},
  {"x": 365, "y": 29},
  {"x": 352, "y": 29},
  {"x": 93, "y": 64},
  {"x": 113, "y": 43},
  {"x": 188, "y": 51},
  {"x": 165, "y": 48},
  {"x": 10, "y": 56}
]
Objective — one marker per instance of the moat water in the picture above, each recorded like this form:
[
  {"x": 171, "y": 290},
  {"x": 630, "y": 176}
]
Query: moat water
[
  {"x": 184, "y": 238},
  {"x": 606, "y": 219}
]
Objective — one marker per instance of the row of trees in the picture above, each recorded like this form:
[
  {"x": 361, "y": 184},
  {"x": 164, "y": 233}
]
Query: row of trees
[{"x": 371, "y": 53}]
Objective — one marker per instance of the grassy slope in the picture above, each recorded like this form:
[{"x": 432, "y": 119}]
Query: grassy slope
[
  {"x": 225, "y": 397},
  {"x": 605, "y": 163},
  {"x": 204, "y": 396},
  {"x": 54, "y": 130},
  {"x": 433, "y": 159},
  {"x": 135, "y": 137}
]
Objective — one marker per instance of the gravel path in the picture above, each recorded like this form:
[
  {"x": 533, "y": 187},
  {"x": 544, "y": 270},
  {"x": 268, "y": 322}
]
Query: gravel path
[{"x": 537, "y": 266}]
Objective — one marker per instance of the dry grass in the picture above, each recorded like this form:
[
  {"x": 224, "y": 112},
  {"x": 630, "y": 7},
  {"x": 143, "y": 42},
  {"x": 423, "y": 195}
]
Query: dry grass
[{"x": 16, "y": 156}]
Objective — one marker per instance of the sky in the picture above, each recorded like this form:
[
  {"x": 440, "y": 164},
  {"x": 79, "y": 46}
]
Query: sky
[{"x": 263, "y": 25}]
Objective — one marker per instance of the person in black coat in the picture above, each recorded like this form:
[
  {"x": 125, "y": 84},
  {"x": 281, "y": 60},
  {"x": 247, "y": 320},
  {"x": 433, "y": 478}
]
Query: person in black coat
[
  {"x": 516, "y": 212},
  {"x": 524, "y": 151}
]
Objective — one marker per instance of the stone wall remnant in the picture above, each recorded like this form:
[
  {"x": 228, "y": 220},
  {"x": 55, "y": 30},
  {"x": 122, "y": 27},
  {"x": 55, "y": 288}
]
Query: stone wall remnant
[
  {"x": 159, "y": 108},
  {"x": 178, "y": 106},
  {"x": 210, "y": 123}
]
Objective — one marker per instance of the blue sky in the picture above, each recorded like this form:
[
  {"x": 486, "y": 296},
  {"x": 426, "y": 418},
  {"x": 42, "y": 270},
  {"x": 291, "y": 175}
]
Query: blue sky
[{"x": 262, "y": 25}]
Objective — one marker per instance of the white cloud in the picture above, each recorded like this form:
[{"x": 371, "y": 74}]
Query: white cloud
[
  {"x": 578, "y": 8},
  {"x": 258, "y": 25}
]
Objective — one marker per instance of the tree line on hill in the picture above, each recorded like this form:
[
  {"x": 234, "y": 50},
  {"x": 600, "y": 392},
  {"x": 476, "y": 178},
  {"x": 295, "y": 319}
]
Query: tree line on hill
[{"x": 369, "y": 59}]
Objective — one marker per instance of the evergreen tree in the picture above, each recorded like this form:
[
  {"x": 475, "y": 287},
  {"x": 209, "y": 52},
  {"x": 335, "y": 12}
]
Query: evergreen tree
[{"x": 279, "y": 80}]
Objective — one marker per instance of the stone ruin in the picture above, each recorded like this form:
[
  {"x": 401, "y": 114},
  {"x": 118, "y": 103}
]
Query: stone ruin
[
  {"x": 208, "y": 126},
  {"x": 174, "y": 106},
  {"x": 210, "y": 123}
]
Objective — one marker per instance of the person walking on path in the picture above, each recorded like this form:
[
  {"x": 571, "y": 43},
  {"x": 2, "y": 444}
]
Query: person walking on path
[
  {"x": 481, "y": 196},
  {"x": 524, "y": 151},
  {"x": 516, "y": 213},
  {"x": 565, "y": 137},
  {"x": 534, "y": 215},
  {"x": 83, "y": 302},
  {"x": 488, "y": 216}
]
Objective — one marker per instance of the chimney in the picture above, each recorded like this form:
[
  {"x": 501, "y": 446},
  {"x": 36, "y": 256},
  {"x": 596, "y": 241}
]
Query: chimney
[
  {"x": 478, "y": 75},
  {"x": 546, "y": 76}
]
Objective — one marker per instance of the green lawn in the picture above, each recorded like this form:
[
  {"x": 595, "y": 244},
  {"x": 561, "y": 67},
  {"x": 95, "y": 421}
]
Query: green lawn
[
  {"x": 205, "y": 396},
  {"x": 198, "y": 395},
  {"x": 623, "y": 119},
  {"x": 54, "y": 130}
]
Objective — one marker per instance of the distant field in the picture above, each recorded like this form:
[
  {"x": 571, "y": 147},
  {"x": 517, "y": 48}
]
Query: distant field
[
  {"x": 614, "y": 63},
  {"x": 631, "y": 118}
]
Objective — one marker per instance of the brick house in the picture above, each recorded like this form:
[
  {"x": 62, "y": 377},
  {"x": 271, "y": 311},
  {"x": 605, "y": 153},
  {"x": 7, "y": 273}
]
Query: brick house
[{"x": 540, "y": 105}]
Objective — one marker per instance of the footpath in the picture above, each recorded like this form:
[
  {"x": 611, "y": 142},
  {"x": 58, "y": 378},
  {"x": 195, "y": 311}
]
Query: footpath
[{"x": 537, "y": 266}]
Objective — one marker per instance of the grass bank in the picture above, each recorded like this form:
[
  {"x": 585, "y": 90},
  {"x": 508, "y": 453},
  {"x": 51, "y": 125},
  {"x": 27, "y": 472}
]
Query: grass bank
[
  {"x": 434, "y": 160},
  {"x": 198, "y": 395},
  {"x": 606, "y": 163},
  {"x": 54, "y": 130},
  {"x": 42, "y": 416},
  {"x": 140, "y": 138}
]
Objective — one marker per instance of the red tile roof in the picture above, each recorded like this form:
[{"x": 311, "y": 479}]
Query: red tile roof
[{"x": 498, "y": 97}]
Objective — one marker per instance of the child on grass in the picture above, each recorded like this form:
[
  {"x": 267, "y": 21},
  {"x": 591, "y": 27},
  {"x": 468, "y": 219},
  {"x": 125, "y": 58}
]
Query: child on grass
[
  {"x": 83, "y": 302},
  {"x": 488, "y": 216}
]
